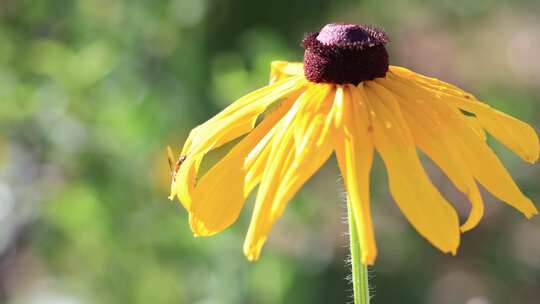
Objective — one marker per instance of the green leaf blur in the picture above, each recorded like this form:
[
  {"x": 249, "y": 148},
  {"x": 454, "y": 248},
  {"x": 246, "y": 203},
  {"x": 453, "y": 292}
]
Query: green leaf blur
[{"x": 91, "y": 93}]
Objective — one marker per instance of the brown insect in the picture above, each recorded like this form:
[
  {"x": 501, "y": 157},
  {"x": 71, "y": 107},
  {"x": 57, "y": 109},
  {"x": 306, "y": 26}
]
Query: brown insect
[{"x": 174, "y": 166}]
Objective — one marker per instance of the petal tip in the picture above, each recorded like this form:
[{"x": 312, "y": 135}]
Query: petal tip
[
  {"x": 453, "y": 250},
  {"x": 368, "y": 260},
  {"x": 528, "y": 209},
  {"x": 251, "y": 254},
  {"x": 531, "y": 213},
  {"x": 198, "y": 227},
  {"x": 452, "y": 247},
  {"x": 532, "y": 158},
  {"x": 201, "y": 232},
  {"x": 252, "y": 250},
  {"x": 470, "y": 224},
  {"x": 252, "y": 257}
]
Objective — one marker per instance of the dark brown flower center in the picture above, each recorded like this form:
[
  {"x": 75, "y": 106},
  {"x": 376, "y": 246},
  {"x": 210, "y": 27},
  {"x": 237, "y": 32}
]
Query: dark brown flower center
[{"x": 345, "y": 53}]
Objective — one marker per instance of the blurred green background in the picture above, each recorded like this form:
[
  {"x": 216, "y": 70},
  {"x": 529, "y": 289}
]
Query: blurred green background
[{"x": 91, "y": 92}]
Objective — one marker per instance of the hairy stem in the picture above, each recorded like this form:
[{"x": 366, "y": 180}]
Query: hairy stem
[{"x": 359, "y": 270}]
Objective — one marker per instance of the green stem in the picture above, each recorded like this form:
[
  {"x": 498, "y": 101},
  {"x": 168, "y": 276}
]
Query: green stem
[{"x": 359, "y": 270}]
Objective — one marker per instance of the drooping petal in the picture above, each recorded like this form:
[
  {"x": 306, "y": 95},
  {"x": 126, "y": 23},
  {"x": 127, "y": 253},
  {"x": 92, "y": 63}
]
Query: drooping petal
[
  {"x": 233, "y": 122},
  {"x": 299, "y": 147},
  {"x": 220, "y": 194},
  {"x": 513, "y": 133},
  {"x": 283, "y": 69},
  {"x": 354, "y": 152},
  {"x": 490, "y": 172},
  {"x": 240, "y": 117},
  {"x": 439, "y": 142},
  {"x": 421, "y": 203},
  {"x": 482, "y": 161}
]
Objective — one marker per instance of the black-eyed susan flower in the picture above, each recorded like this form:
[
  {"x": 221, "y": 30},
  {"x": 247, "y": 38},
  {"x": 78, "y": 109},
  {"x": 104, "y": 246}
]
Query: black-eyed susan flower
[{"x": 346, "y": 100}]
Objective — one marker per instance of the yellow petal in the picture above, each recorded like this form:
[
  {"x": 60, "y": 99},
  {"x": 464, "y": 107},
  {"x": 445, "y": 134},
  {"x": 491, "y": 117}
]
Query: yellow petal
[
  {"x": 476, "y": 126},
  {"x": 489, "y": 171},
  {"x": 220, "y": 194},
  {"x": 240, "y": 117},
  {"x": 513, "y": 133},
  {"x": 298, "y": 149},
  {"x": 283, "y": 69},
  {"x": 233, "y": 122},
  {"x": 439, "y": 142},
  {"x": 354, "y": 151},
  {"x": 482, "y": 161},
  {"x": 421, "y": 203},
  {"x": 431, "y": 82}
]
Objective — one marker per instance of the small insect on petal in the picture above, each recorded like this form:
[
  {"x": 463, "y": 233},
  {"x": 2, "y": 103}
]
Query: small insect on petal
[{"x": 174, "y": 166}]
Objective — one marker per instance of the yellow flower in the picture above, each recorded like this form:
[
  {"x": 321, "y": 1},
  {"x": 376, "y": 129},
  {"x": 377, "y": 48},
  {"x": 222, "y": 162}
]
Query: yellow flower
[{"x": 312, "y": 110}]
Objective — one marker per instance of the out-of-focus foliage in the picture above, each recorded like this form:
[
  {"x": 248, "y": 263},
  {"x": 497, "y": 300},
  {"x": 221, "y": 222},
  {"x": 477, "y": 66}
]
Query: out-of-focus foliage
[{"x": 91, "y": 92}]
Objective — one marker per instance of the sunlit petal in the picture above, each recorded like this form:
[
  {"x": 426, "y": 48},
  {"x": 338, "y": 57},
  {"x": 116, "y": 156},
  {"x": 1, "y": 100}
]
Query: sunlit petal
[
  {"x": 354, "y": 151},
  {"x": 220, "y": 194},
  {"x": 422, "y": 204},
  {"x": 298, "y": 149},
  {"x": 439, "y": 142},
  {"x": 513, "y": 133},
  {"x": 234, "y": 121},
  {"x": 482, "y": 161}
]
